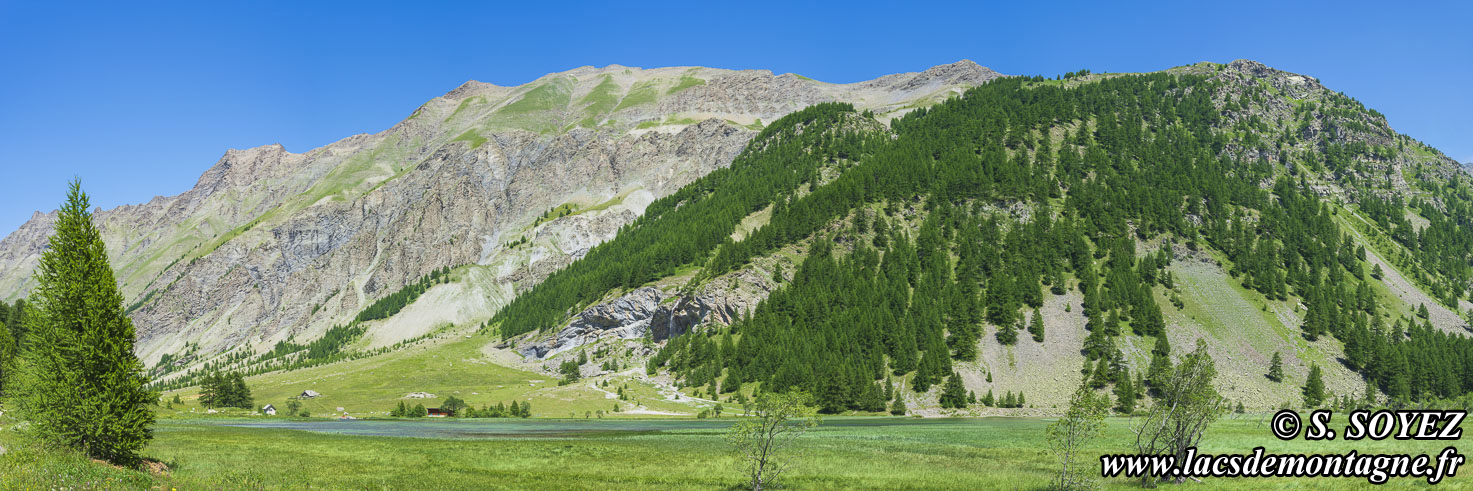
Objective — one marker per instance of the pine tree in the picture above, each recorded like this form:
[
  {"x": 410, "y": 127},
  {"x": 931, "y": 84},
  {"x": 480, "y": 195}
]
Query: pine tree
[
  {"x": 732, "y": 383},
  {"x": 1160, "y": 367},
  {"x": 1314, "y": 388},
  {"x": 1276, "y": 368},
  {"x": 80, "y": 384},
  {"x": 988, "y": 400},
  {"x": 223, "y": 390},
  {"x": 921, "y": 383},
  {"x": 1112, "y": 323},
  {"x": 833, "y": 393},
  {"x": 1102, "y": 375},
  {"x": 207, "y": 390},
  {"x": 898, "y": 408},
  {"x": 1125, "y": 394},
  {"x": 16, "y": 322},
  {"x": 1096, "y": 342},
  {"x": 7, "y": 350},
  {"x": 926, "y": 375},
  {"x": 1035, "y": 326},
  {"x": 240, "y": 393},
  {"x": 871, "y": 398},
  {"x": 1007, "y": 335},
  {"x": 904, "y": 359},
  {"x": 954, "y": 395}
]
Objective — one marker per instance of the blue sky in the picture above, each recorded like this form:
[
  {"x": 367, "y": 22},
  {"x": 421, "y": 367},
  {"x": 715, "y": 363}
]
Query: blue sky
[{"x": 139, "y": 100}]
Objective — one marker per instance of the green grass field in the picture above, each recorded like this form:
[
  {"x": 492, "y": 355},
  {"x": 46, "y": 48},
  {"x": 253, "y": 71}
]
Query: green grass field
[
  {"x": 450, "y": 365},
  {"x": 844, "y": 453}
]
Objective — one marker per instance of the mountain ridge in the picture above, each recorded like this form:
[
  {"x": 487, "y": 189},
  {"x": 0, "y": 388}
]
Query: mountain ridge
[{"x": 212, "y": 230}]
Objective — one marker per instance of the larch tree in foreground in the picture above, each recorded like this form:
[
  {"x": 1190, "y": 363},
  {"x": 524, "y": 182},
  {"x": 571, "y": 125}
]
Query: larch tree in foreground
[
  {"x": 1188, "y": 403},
  {"x": 777, "y": 420},
  {"x": 1068, "y": 436},
  {"x": 79, "y": 384}
]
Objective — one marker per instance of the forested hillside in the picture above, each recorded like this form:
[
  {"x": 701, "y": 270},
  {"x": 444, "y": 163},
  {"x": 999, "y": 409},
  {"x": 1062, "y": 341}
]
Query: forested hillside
[{"x": 927, "y": 240}]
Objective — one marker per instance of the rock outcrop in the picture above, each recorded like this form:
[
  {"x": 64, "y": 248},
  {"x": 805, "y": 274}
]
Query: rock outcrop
[
  {"x": 645, "y": 312},
  {"x": 657, "y": 314}
]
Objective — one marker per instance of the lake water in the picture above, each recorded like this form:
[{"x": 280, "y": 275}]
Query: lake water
[{"x": 554, "y": 428}]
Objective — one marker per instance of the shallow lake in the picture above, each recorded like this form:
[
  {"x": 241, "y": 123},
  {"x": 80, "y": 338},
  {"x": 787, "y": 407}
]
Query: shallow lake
[{"x": 557, "y": 428}]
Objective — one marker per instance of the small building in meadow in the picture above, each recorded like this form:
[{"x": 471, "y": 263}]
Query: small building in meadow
[
  {"x": 269, "y": 410},
  {"x": 436, "y": 412}
]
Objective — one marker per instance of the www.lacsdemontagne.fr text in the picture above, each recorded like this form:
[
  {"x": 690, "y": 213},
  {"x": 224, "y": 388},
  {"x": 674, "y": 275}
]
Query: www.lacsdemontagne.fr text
[
  {"x": 1287, "y": 425},
  {"x": 1375, "y": 468}
]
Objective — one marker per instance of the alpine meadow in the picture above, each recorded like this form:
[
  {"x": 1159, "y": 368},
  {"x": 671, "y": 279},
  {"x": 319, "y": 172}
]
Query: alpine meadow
[{"x": 701, "y": 278}]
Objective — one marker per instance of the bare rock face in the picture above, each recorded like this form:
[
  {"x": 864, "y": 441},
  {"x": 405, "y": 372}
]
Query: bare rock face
[
  {"x": 628, "y": 317},
  {"x": 1291, "y": 84},
  {"x": 961, "y": 73},
  {"x": 271, "y": 244},
  {"x": 658, "y": 314},
  {"x": 645, "y": 312}
]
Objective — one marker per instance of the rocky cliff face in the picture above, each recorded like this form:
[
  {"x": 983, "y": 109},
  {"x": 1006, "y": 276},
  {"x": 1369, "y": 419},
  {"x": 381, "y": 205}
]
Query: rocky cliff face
[
  {"x": 655, "y": 313},
  {"x": 510, "y": 183}
]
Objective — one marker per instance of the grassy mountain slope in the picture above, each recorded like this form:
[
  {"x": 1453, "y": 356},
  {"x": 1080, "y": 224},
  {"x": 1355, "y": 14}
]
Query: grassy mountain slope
[{"x": 1247, "y": 207}]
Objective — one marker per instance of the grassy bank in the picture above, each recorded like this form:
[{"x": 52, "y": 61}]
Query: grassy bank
[{"x": 454, "y": 366}]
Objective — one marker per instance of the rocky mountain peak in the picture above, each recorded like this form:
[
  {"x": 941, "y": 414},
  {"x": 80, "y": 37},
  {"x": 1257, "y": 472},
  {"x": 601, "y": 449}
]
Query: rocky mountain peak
[
  {"x": 243, "y": 166},
  {"x": 269, "y": 148},
  {"x": 1293, "y": 84},
  {"x": 961, "y": 73},
  {"x": 964, "y": 70},
  {"x": 470, "y": 87}
]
